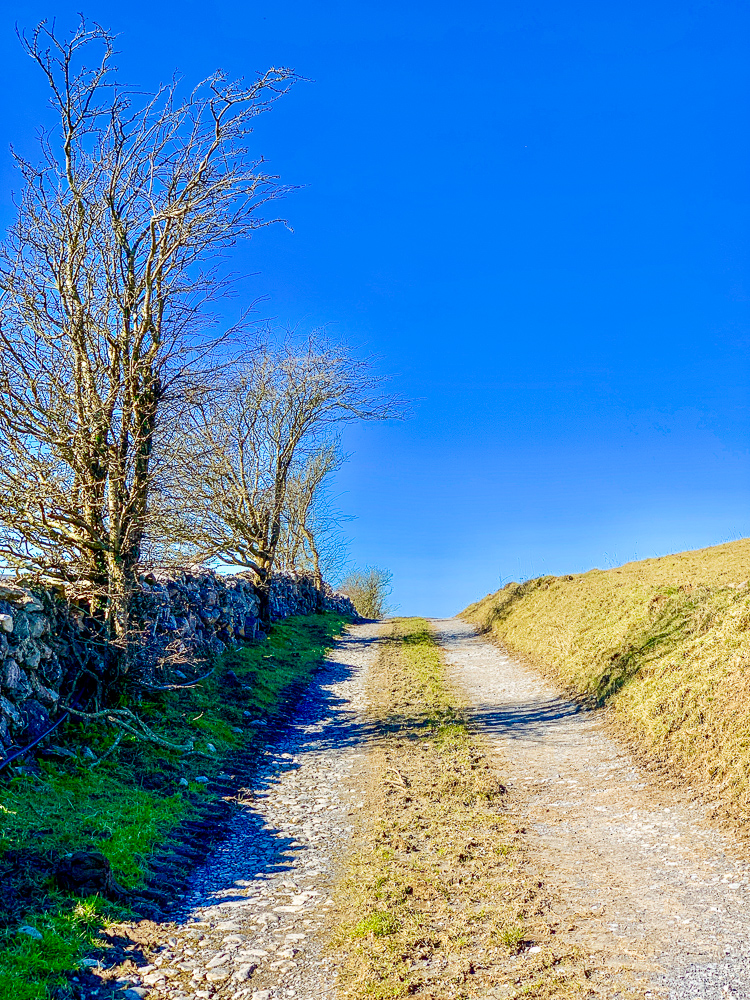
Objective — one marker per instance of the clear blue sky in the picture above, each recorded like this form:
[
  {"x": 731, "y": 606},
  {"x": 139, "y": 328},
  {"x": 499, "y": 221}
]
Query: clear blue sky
[{"x": 537, "y": 215}]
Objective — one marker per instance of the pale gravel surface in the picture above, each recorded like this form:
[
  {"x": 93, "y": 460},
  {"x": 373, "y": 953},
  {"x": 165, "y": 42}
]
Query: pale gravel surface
[
  {"x": 250, "y": 923},
  {"x": 642, "y": 876}
]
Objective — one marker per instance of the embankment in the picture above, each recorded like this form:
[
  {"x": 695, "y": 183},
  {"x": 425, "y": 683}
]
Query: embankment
[{"x": 665, "y": 642}]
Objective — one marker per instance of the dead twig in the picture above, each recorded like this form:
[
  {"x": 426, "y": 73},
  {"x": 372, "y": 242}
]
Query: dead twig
[
  {"x": 403, "y": 780},
  {"x": 109, "y": 752}
]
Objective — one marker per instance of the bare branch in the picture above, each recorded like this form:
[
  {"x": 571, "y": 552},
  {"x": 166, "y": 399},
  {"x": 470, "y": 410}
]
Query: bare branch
[
  {"x": 263, "y": 450},
  {"x": 106, "y": 279}
]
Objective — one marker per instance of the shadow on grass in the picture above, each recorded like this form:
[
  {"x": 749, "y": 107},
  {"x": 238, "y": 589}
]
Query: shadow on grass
[
  {"x": 318, "y": 721},
  {"x": 673, "y": 616},
  {"x": 672, "y": 622},
  {"x": 673, "y": 619}
]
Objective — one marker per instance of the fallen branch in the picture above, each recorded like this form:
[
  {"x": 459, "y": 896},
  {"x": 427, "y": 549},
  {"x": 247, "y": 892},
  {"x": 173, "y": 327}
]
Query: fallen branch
[
  {"x": 130, "y": 723},
  {"x": 389, "y": 781},
  {"x": 111, "y": 750}
]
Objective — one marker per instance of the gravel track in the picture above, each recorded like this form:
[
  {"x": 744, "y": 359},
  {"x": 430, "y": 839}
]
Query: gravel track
[
  {"x": 641, "y": 878},
  {"x": 644, "y": 881},
  {"x": 249, "y": 924}
]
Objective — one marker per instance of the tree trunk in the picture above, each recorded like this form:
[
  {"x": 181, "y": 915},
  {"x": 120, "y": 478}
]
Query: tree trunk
[
  {"x": 122, "y": 584},
  {"x": 263, "y": 590},
  {"x": 317, "y": 572},
  {"x": 264, "y": 611}
]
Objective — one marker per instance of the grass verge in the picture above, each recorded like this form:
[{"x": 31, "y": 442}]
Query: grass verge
[
  {"x": 665, "y": 642},
  {"x": 125, "y": 804},
  {"x": 439, "y": 900}
]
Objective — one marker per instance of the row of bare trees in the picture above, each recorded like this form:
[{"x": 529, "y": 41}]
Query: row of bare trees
[
  {"x": 130, "y": 428},
  {"x": 262, "y": 451}
]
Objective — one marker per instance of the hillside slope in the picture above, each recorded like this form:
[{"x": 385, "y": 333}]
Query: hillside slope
[{"x": 665, "y": 642}]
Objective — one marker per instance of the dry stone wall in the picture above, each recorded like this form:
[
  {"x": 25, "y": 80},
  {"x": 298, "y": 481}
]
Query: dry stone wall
[{"x": 47, "y": 644}]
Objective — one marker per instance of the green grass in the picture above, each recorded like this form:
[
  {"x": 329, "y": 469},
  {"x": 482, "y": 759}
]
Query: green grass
[
  {"x": 379, "y": 924},
  {"x": 61, "y": 812},
  {"x": 29, "y": 968},
  {"x": 512, "y": 935},
  {"x": 126, "y": 805},
  {"x": 665, "y": 642}
]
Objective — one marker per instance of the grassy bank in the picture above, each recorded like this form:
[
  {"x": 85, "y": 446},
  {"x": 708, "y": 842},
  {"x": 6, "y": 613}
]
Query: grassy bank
[
  {"x": 124, "y": 804},
  {"x": 665, "y": 642},
  {"x": 440, "y": 900}
]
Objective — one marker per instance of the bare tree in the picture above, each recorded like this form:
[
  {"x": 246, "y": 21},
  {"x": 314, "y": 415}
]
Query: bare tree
[
  {"x": 262, "y": 451},
  {"x": 369, "y": 589},
  {"x": 105, "y": 280},
  {"x": 310, "y": 537}
]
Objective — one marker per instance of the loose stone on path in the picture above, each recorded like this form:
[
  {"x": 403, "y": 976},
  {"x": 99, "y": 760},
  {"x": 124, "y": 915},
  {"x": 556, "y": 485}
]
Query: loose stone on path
[{"x": 249, "y": 924}]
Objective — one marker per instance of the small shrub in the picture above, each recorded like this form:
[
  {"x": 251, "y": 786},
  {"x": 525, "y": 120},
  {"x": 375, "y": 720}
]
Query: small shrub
[
  {"x": 369, "y": 589},
  {"x": 512, "y": 936}
]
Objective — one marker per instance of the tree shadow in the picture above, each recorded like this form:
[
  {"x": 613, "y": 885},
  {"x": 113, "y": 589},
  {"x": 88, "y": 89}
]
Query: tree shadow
[{"x": 320, "y": 720}]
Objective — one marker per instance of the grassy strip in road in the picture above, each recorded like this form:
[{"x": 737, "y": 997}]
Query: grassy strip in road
[
  {"x": 439, "y": 900},
  {"x": 665, "y": 642},
  {"x": 125, "y": 805}
]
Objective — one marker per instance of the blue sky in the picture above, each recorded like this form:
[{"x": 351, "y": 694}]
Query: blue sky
[{"x": 536, "y": 215}]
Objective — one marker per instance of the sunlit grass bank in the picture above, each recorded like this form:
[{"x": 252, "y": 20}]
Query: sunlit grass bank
[
  {"x": 125, "y": 805},
  {"x": 665, "y": 641}
]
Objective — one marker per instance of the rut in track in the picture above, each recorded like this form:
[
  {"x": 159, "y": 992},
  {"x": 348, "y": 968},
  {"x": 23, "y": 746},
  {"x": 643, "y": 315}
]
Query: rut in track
[{"x": 639, "y": 873}]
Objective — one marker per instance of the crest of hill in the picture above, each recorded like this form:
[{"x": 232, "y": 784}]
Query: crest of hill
[{"x": 665, "y": 642}]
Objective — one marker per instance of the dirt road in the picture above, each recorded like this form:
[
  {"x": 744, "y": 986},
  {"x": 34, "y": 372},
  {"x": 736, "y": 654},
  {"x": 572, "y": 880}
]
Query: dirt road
[{"x": 642, "y": 878}]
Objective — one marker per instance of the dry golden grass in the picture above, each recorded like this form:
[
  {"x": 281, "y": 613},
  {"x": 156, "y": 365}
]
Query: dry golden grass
[
  {"x": 440, "y": 899},
  {"x": 665, "y": 641}
]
